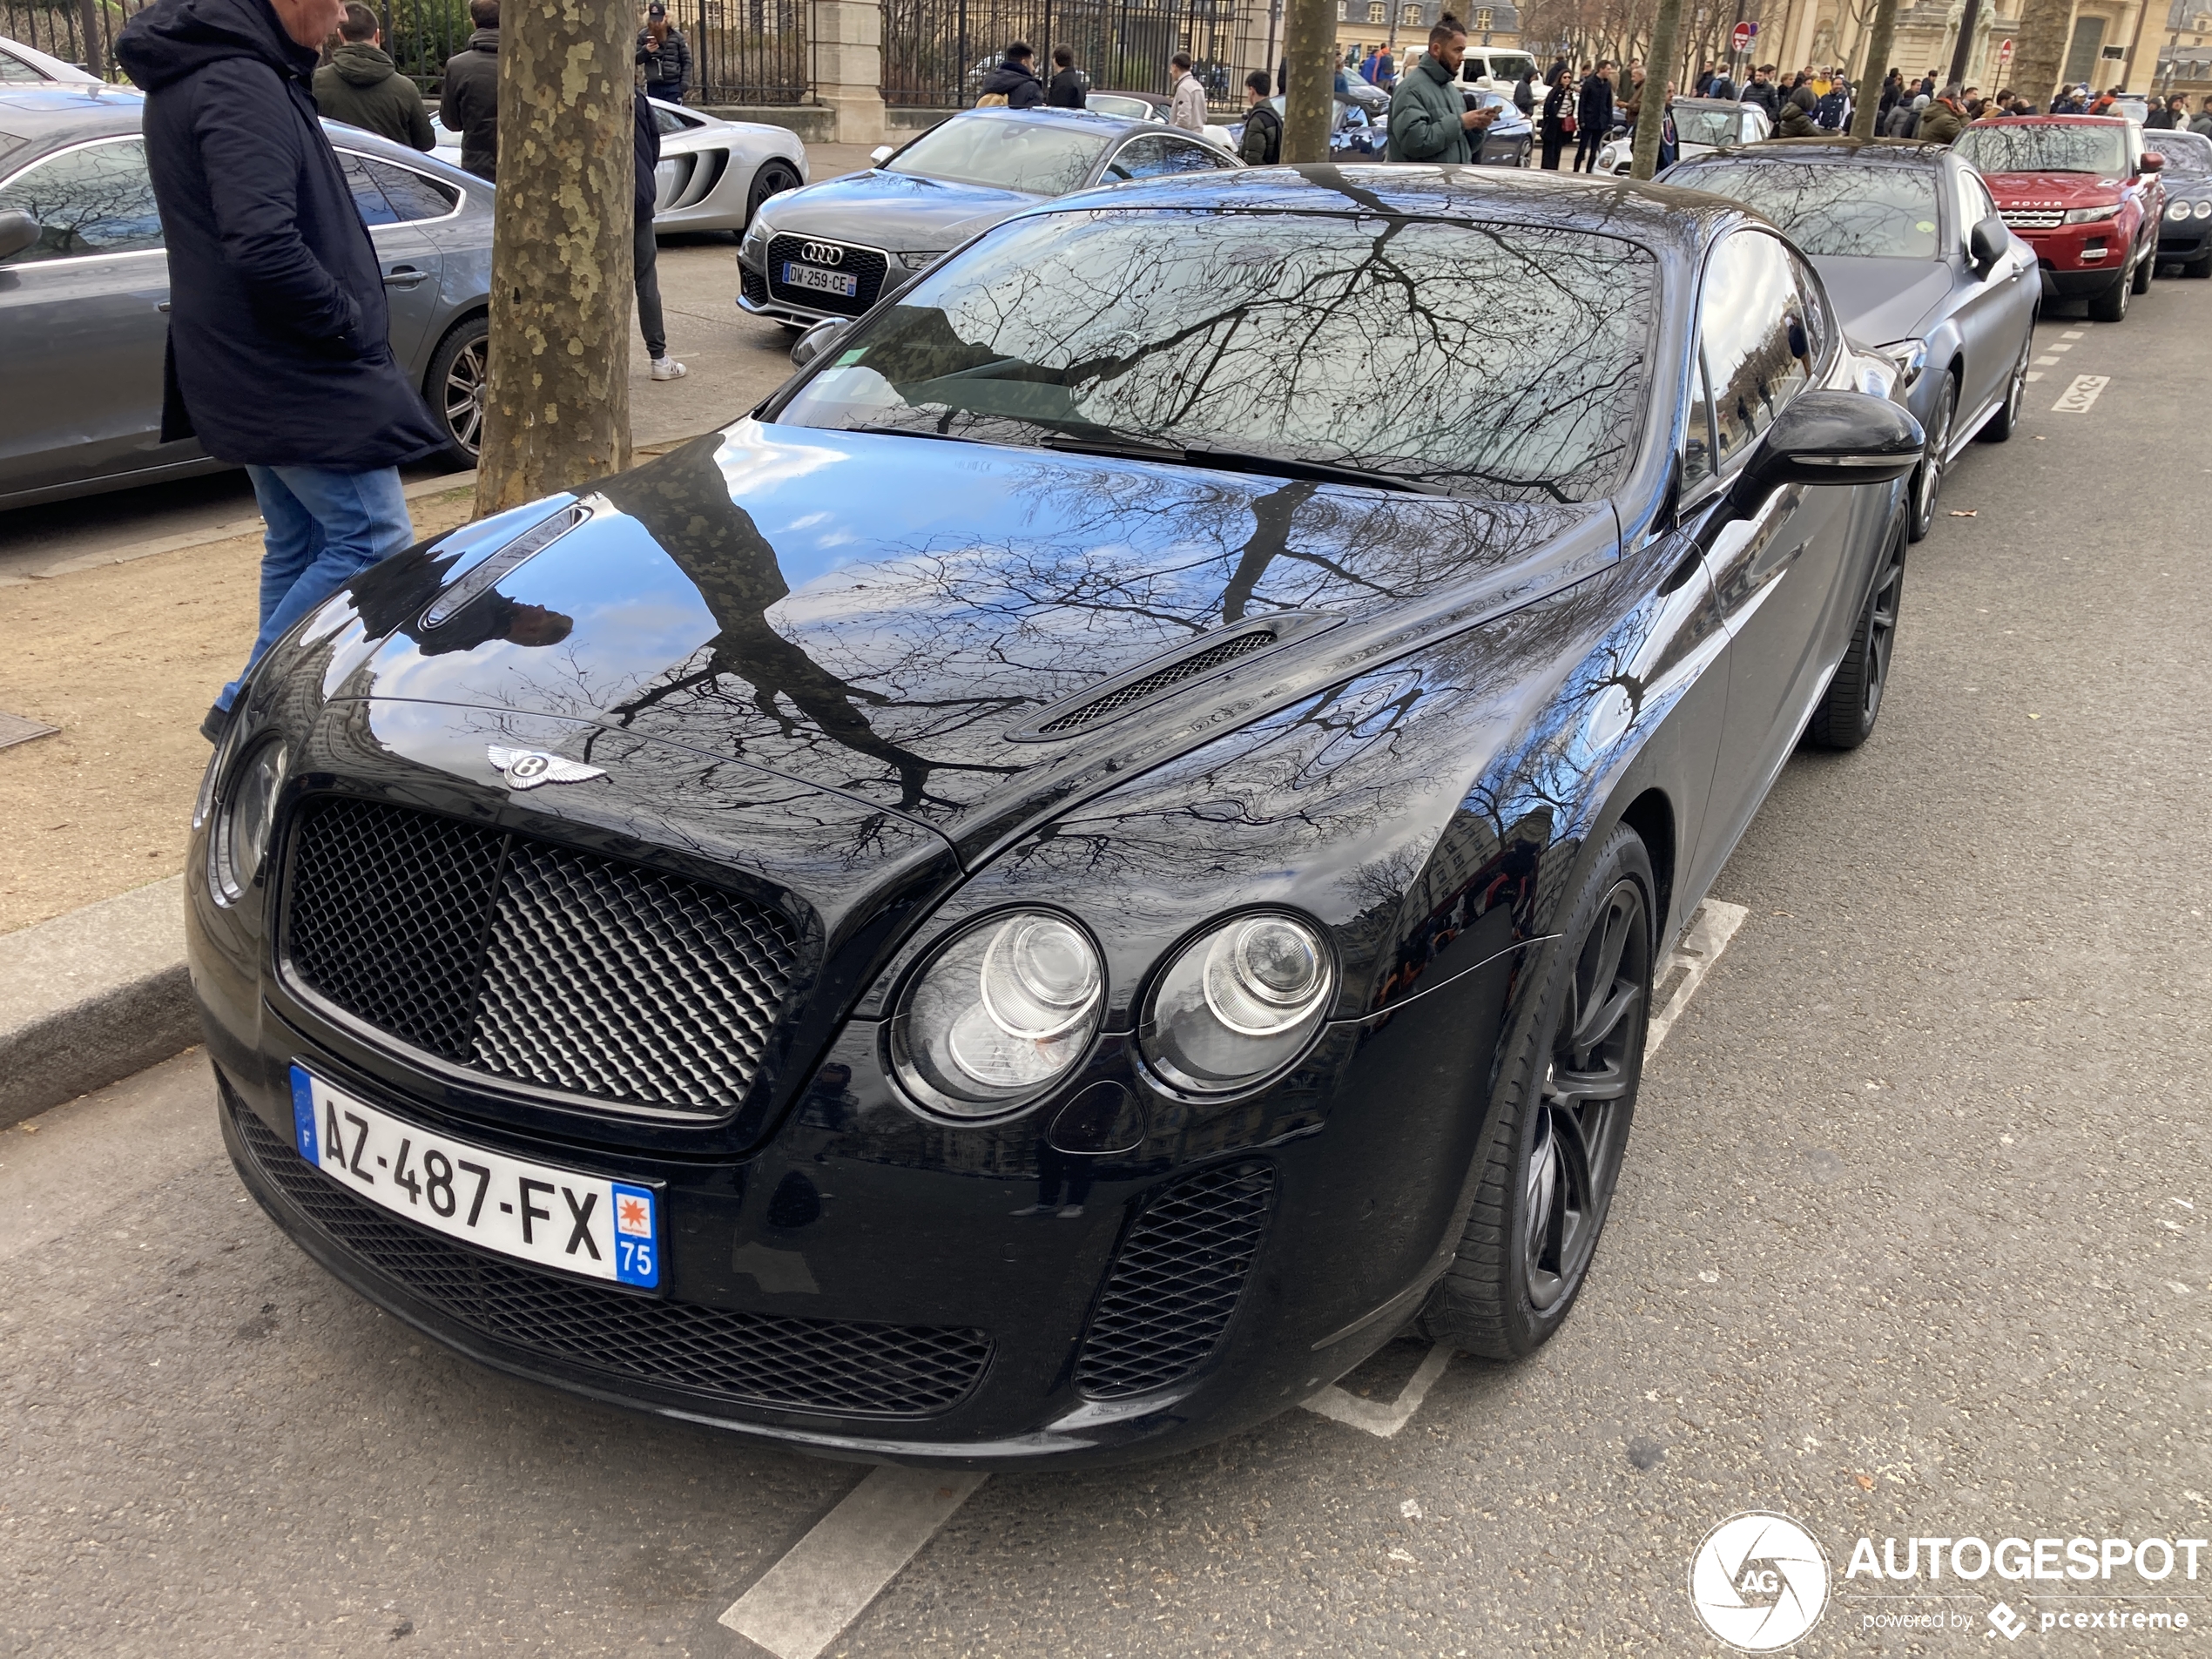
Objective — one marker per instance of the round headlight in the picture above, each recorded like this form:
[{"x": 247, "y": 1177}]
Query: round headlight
[
  {"x": 1239, "y": 1004},
  {"x": 2204, "y": 208},
  {"x": 2179, "y": 210},
  {"x": 248, "y": 811},
  {"x": 1006, "y": 1009}
]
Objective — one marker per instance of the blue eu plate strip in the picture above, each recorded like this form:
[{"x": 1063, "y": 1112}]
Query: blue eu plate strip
[
  {"x": 637, "y": 1237},
  {"x": 303, "y": 1114}
]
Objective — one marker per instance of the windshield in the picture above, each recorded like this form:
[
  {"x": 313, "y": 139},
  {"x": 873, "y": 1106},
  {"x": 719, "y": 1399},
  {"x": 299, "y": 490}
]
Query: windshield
[
  {"x": 1502, "y": 361},
  {"x": 1846, "y": 212},
  {"x": 1045, "y": 159},
  {"x": 2185, "y": 153},
  {"x": 1704, "y": 125},
  {"x": 1130, "y": 109},
  {"x": 2102, "y": 150},
  {"x": 1504, "y": 66}
]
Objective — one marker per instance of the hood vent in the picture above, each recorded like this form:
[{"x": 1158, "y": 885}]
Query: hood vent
[{"x": 1150, "y": 681}]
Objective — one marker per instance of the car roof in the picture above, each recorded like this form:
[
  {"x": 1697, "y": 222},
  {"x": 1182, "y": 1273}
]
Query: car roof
[
  {"x": 1659, "y": 216},
  {"x": 1715, "y": 104},
  {"x": 1076, "y": 120},
  {"x": 2054, "y": 121},
  {"x": 1882, "y": 152},
  {"x": 58, "y": 112}
]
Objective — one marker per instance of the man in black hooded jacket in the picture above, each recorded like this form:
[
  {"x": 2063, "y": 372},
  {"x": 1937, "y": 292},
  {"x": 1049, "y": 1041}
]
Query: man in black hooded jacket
[
  {"x": 1012, "y": 83},
  {"x": 278, "y": 360}
]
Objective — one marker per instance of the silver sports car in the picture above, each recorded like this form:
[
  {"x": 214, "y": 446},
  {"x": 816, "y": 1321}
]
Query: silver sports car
[{"x": 713, "y": 174}]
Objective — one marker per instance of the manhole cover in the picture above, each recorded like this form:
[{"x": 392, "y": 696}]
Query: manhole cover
[{"x": 15, "y": 729}]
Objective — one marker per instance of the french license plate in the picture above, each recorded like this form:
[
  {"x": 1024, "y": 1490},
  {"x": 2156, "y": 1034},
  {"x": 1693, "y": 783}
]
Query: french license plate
[
  {"x": 822, "y": 281},
  {"x": 559, "y": 1218}
]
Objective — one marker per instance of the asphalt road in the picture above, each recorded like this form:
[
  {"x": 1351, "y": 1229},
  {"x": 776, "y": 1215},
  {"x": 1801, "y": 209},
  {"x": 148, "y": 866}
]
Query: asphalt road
[{"x": 1911, "y": 1242}]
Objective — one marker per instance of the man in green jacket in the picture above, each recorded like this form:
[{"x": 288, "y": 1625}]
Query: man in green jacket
[
  {"x": 361, "y": 86},
  {"x": 1429, "y": 118}
]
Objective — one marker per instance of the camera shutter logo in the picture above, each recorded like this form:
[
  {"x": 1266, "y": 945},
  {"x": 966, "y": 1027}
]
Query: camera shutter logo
[
  {"x": 1759, "y": 1581},
  {"x": 821, "y": 254}
]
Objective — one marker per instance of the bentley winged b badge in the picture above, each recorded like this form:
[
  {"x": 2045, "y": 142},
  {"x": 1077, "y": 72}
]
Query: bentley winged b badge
[{"x": 528, "y": 768}]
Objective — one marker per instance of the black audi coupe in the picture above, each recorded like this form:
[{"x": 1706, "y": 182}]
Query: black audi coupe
[{"x": 1046, "y": 892}]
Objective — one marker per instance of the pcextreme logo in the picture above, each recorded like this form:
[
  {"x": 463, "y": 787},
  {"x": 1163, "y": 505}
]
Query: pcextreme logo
[{"x": 1759, "y": 1581}]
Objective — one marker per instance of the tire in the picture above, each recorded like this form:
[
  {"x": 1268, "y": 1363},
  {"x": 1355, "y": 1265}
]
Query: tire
[
  {"x": 2146, "y": 267},
  {"x": 1928, "y": 478},
  {"x": 2001, "y": 425},
  {"x": 1847, "y": 713},
  {"x": 1527, "y": 1248},
  {"x": 771, "y": 177},
  {"x": 2109, "y": 304},
  {"x": 455, "y": 389}
]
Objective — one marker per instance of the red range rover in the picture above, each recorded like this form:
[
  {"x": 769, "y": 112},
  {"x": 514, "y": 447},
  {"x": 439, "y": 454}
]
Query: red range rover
[{"x": 2086, "y": 196}]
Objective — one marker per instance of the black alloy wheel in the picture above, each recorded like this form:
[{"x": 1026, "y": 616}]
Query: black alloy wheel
[
  {"x": 455, "y": 389},
  {"x": 1558, "y": 1125},
  {"x": 1927, "y": 481},
  {"x": 771, "y": 177},
  {"x": 1846, "y": 715},
  {"x": 2001, "y": 425}
]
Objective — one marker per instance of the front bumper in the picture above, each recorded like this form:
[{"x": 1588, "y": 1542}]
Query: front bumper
[
  {"x": 2079, "y": 260},
  {"x": 758, "y": 296},
  {"x": 2184, "y": 241},
  {"x": 870, "y": 1284}
]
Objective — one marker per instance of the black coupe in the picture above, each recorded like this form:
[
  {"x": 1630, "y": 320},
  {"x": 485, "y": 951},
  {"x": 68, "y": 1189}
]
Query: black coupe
[{"x": 1043, "y": 894}]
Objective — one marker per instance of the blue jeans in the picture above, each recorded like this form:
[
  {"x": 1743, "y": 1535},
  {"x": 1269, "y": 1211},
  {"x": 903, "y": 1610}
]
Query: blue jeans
[{"x": 324, "y": 529}]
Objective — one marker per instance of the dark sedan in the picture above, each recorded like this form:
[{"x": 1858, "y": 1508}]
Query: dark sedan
[
  {"x": 1920, "y": 266},
  {"x": 84, "y": 291},
  {"x": 833, "y": 249},
  {"x": 2185, "y": 234},
  {"x": 1041, "y": 895}
]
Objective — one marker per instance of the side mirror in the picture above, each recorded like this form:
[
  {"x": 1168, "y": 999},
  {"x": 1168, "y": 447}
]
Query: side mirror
[
  {"x": 1986, "y": 242},
  {"x": 880, "y": 154},
  {"x": 817, "y": 340},
  {"x": 2153, "y": 161},
  {"x": 17, "y": 232},
  {"x": 1830, "y": 438}
]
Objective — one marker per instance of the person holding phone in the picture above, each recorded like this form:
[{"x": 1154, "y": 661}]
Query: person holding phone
[{"x": 1429, "y": 118}]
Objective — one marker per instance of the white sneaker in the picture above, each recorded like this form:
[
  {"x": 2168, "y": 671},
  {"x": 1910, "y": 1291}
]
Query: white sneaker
[{"x": 667, "y": 368}]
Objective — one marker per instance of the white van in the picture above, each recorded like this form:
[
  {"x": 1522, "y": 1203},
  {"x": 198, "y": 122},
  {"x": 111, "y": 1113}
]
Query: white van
[{"x": 1494, "y": 69}]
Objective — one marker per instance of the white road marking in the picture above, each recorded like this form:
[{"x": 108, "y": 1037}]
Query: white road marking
[
  {"x": 2047, "y": 361},
  {"x": 2034, "y": 374},
  {"x": 806, "y": 1601},
  {"x": 2076, "y": 333},
  {"x": 2058, "y": 348},
  {"x": 1703, "y": 942},
  {"x": 2077, "y": 398},
  {"x": 1372, "y": 1416}
]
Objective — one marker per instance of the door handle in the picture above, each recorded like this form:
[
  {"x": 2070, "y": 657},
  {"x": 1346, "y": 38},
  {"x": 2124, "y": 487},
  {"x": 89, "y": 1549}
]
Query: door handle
[
  {"x": 163, "y": 307},
  {"x": 405, "y": 276}
]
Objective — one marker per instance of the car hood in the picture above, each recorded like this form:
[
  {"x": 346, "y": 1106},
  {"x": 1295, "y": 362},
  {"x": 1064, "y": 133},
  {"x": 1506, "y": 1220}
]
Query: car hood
[
  {"x": 1880, "y": 300},
  {"x": 895, "y": 211},
  {"x": 875, "y": 615},
  {"x": 2052, "y": 189}
]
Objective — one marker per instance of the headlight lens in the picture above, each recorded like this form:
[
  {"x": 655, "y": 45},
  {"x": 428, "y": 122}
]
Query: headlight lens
[
  {"x": 2090, "y": 215},
  {"x": 1007, "y": 1009},
  {"x": 752, "y": 247},
  {"x": 242, "y": 831},
  {"x": 1239, "y": 1004},
  {"x": 1911, "y": 356},
  {"x": 2205, "y": 209},
  {"x": 920, "y": 259},
  {"x": 2179, "y": 210}
]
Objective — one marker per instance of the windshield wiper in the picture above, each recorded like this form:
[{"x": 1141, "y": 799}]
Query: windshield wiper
[
  {"x": 910, "y": 432},
  {"x": 1238, "y": 461}
]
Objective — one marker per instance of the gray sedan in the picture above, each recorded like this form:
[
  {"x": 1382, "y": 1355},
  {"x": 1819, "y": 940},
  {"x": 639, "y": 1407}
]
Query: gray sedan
[
  {"x": 84, "y": 291},
  {"x": 835, "y": 248},
  {"x": 1919, "y": 266}
]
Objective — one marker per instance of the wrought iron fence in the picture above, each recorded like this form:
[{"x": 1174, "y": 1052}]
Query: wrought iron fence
[
  {"x": 77, "y": 32},
  {"x": 422, "y": 34},
  {"x": 936, "y": 52},
  {"x": 747, "y": 51}
]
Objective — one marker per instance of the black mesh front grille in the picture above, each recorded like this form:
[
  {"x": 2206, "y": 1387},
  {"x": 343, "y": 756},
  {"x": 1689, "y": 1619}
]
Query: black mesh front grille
[
  {"x": 1176, "y": 1282},
  {"x": 754, "y": 284},
  {"x": 535, "y": 963},
  {"x": 1114, "y": 701},
  {"x": 863, "y": 264},
  {"x": 753, "y": 1359}
]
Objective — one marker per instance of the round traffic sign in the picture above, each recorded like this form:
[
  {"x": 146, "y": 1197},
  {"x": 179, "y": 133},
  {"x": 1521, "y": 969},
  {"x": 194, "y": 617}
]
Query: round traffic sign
[{"x": 1743, "y": 35}]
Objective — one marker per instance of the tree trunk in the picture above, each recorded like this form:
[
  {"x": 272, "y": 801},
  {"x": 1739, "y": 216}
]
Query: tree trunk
[
  {"x": 1309, "y": 101},
  {"x": 1870, "y": 79},
  {"x": 556, "y": 403},
  {"x": 1658, "y": 73},
  {"x": 2039, "y": 49}
]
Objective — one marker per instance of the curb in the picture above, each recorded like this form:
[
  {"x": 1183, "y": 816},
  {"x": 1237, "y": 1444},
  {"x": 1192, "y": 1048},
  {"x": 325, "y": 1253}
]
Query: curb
[{"x": 93, "y": 996}]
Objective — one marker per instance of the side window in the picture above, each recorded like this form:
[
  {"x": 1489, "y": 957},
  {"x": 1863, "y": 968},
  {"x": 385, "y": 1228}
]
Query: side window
[
  {"x": 1758, "y": 348},
  {"x": 96, "y": 199},
  {"x": 666, "y": 121},
  {"x": 1697, "y": 431},
  {"x": 1185, "y": 157},
  {"x": 368, "y": 195},
  {"x": 1145, "y": 158},
  {"x": 1976, "y": 204},
  {"x": 14, "y": 70},
  {"x": 412, "y": 195},
  {"x": 1818, "y": 326}
]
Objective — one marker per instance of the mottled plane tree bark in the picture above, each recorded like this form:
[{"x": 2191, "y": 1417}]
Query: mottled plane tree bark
[
  {"x": 1658, "y": 73},
  {"x": 2039, "y": 49},
  {"x": 556, "y": 401},
  {"x": 1868, "y": 109},
  {"x": 1309, "y": 99}
]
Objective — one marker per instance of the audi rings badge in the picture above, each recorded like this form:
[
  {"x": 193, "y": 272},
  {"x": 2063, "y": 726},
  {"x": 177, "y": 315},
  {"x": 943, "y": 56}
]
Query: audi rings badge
[{"x": 821, "y": 254}]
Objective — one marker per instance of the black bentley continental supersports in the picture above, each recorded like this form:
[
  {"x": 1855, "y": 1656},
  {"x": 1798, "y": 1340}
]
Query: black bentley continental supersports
[{"x": 1045, "y": 893}]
